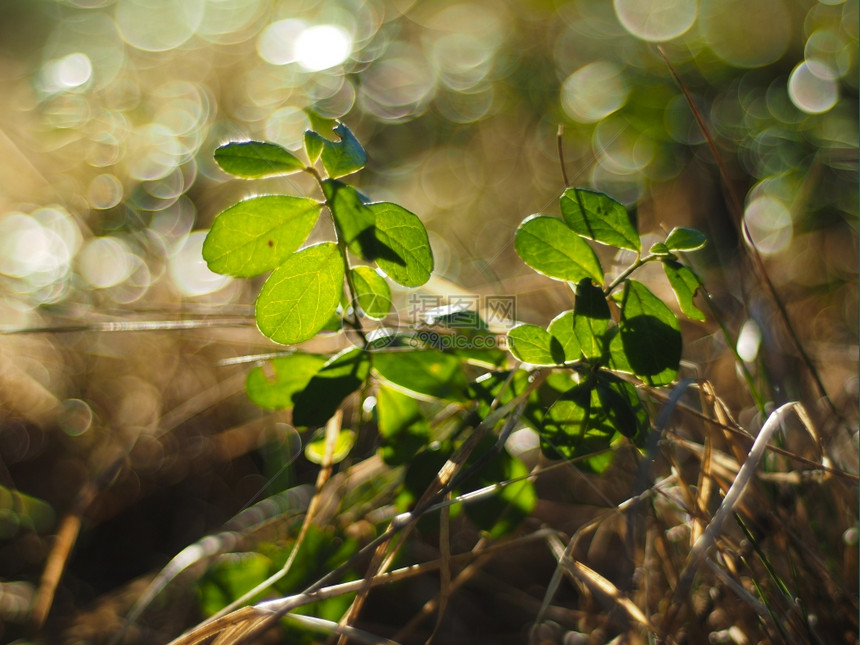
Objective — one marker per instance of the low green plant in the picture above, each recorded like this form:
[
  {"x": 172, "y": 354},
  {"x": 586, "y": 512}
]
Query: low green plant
[
  {"x": 616, "y": 329},
  {"x": 575, "y": 381}
]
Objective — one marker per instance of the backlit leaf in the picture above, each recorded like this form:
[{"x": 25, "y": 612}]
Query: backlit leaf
[
  {"x": 591, "y": 319},
  {"x": 342, "y": 157},
  {"x": 402, "y": 246},
  {"x": 315, "y": 450},
  {"x": 563, "y": 331},
  {"x": 684, "y": 283},
  {"x": 423, "y": 371},
  {"x": 535, "y": 345},
  {"x": 650, "y": 335},
  {"x": 273, "y": 385},
  {"x": 258, "y": 234},
  {"x": 550, "y": 247},
  {"x": 372, "y": 292},
  {"x": 402, "y": 427},
  {"x": 576, "y": 424},
  {"x": 256, "y": 159},
  {"x": 599, "y": 217},
  {"x": 355, "y": 222},
  {"x": 685, "y": 239},
  {"x": 299, "y": 297},
  {"x": 342, "y": 375}
]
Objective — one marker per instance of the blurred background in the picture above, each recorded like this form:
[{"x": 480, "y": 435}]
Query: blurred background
[{"x": 123, "y": 382}]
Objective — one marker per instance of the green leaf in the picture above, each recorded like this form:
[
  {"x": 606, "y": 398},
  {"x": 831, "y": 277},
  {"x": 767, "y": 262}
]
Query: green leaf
[
  {"x": 685, "y": 239},
  {"x": 402, "y": 427},
  {"x": 535, "y": 345},
  {"x": 258, "y": 234},
  {"x": 315, "y": 450},
  {"x": 622, "y": 406},
  {"x": 563, "y": 331},
  {"x": 576, "y": 424},
  {"x": 313, "y": 145},
  {"x": 660, "y": 249},
  {"x": 372, "y": 292},
  {"x": 402, "y": 246},
  {"x": 273, "y": 384},
  {"x": 591, "y": 319},
  {"x": 342, "y": 375},
  {"x": 354, "y": 220},
  {"x": 423, "y": 371},
  {"x": 299, "y": 297},
  {"x": 684, "y": 283},
  {"x": 256, "y": 159},
  {"x": 549, "y": 247},
  {"x": 600, "y": 218},
  {"x": 342, "y": 157},
  {"x": 650, "y": 335}
]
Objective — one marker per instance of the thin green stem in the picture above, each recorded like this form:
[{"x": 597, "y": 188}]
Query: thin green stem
[{"x": 626, "y": 273}]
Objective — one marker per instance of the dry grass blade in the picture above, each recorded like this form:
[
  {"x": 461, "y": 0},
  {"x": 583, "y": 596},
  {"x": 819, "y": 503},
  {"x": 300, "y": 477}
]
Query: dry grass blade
[
  {"x": 595, "y": 581},
  {"x": 730, "y": 502},
  {"x": 445, "y": 570}
]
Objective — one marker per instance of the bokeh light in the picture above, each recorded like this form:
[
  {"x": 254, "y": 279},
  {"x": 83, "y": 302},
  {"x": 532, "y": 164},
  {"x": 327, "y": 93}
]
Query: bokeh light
[
  {"x": 812, "y": 87},
  {"x": 656, "y": 20},
  {"x": 594, "y": 91}
]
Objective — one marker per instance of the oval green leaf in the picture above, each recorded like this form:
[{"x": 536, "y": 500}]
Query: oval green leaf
[
  {"x": 402, "y": 427},
  {"x": 354, "y": 221},
  {"x": 315, "y": 450},
  {"x": 650, "y": 335},
  {"x": 591, "y": 319},
  {"x": 535, "y": 345},
  {"x": 273, "y": 384},
  {"x": 600, "y": 218},
  {"x": 299, "y": 297},
  {"x": 428, "y": 372},
  {"x": 256, "y": 159},
  {"x": 342, "y": 157},
  {"x": 258, "y": 234},
  {"x": 685, "y": 239},
  {"x": 550, "y": 247},
  {"x": 684, "y": 283},
  {"x": 372, "y": 292},
  {"x": 576, "y": 424},
  {"x": 562, "y": 329},
  {"x": 342, "y": 375},
  {"x": 402, "y": 246}
]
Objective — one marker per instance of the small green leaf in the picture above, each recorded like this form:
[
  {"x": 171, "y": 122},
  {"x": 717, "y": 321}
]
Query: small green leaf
[
  {"x": 354, "y": 220},
  {"x": 402, "y": 246},
  {"x": 650, "y": 335},
  {"x": 504, "y": 386},
  {"x": 256, "y": 159},
  {"x": 273, "y": 385},
  {"x": 342, "y": 375},
  {"x": 402, "y": 427},
  {"x": 315, "y": 450},
  {"x": 535, "y": 345},
  {"x": 600, "y": 218},
  {"x": 423, "y": 371},
  {"x": 313, "y": 145},
  {"x": 258, "y": 234},
  {"x": 622, "y": 406},
  {"x": 660, "y": 249},
  {"x": 342, "y": 157},
  {"x": 372, "y": 292},
  {"x": 576, "y": 424},
  {"x": 549, "y": 247},
  {"x": 685, "y": 239},
  {"x": 563, "y": 331},
  {"x": 591, "y": 319},
  {"x": 299, "y": 297},
  {"x": 684, "y": 283}
]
